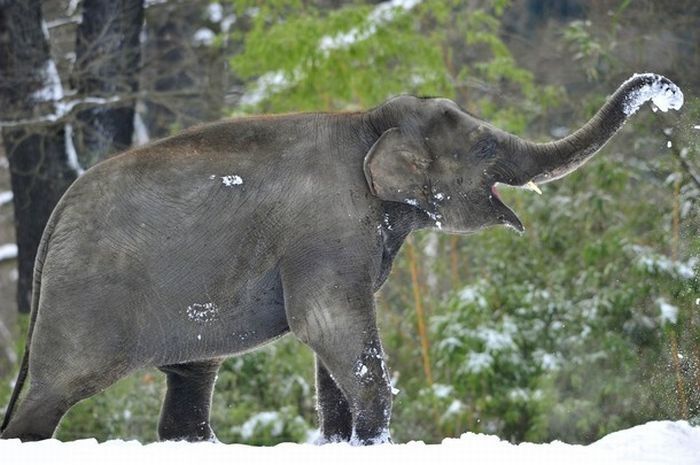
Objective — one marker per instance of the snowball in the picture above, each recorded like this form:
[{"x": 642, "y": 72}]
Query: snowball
[{"x": 664, "y": 95}]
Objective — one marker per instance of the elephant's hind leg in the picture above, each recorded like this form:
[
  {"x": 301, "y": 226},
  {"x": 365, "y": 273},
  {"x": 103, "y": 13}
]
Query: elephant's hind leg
[
  {"x": 38, "y": 414},
  {"x": 50, "y": 395},
  {"x": 185, "y": 413}
]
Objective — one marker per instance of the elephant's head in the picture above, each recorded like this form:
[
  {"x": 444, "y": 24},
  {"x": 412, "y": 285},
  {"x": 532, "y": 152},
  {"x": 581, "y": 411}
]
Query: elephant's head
[{"x": 447, "y": 162}]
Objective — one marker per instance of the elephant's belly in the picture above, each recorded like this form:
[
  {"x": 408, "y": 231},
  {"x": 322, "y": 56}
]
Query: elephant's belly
[{"x": 225, "y": 325}]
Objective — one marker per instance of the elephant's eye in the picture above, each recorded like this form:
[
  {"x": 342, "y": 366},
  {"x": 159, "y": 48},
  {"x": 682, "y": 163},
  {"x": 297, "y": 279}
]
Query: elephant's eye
[
  {"x": 451, "y": 116},
  {"x": 484, "y": 149}
]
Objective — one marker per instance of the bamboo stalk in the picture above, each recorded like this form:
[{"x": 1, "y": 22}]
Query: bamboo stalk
[
  {"x": 675, "y": 240},
  {"x": 680, "y": 388},
  {"x": 420, "y": 313},
  {"x": 454, "y": 257},
  {"x": 676, "y": 228},
  {"x": 696, "y": 369}
]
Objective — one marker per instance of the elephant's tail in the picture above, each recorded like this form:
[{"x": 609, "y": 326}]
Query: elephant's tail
[
  {"x": 36, "y": 288},
  {"x": 24, "y": 367}
]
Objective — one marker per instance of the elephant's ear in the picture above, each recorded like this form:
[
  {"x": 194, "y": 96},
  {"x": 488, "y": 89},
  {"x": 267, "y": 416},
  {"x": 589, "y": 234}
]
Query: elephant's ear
[{"x": 396, "y": 169}]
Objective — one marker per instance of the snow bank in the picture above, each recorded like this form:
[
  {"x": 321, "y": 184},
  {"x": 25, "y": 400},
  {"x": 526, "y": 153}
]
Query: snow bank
[{"x": 660, "y": 442}]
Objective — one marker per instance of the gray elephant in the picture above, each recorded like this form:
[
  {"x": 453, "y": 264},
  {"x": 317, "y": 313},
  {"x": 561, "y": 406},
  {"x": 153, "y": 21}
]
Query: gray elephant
[{"x": 227, "y": 236}]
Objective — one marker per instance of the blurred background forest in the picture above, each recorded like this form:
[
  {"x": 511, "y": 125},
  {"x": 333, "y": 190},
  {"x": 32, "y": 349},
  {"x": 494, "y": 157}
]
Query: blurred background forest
[{"x": 586, "y": 324}]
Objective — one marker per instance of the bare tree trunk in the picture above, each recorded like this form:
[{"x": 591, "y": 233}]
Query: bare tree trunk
[
  {"x": 29, "y": 86},
  {"x": 192, "y": 76},
  {"x": 107, "y": 64},
  {"x": 43, "y": 159}
]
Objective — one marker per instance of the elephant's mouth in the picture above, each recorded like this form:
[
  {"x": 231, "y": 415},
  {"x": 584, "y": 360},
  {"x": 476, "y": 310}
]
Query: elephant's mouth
[
  {"x": 504, "y": 214},
  {"x": 495, "y": 192}
]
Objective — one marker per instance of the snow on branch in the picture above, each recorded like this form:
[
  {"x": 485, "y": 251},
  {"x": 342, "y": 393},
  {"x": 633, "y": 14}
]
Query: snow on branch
[
  {"x": 63, "y": 108},
  {"x": 382, "y": 13},
  {"x": 276, "y": 81},
  {"x": 52, "y": 91},
  {"x": 60, "y": 22}
]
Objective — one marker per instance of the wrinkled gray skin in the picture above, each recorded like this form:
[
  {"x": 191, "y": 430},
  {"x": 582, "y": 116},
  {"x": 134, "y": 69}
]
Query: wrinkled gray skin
[{"x": 160, "y": 257}]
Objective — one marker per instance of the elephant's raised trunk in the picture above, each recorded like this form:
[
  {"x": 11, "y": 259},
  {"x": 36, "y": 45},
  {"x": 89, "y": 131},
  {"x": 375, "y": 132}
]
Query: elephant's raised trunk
[{"x": 548, "y": 161}]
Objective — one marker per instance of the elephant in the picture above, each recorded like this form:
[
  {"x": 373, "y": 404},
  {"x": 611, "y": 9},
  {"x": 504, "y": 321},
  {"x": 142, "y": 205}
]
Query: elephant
[{"x": 227, "y": 236}]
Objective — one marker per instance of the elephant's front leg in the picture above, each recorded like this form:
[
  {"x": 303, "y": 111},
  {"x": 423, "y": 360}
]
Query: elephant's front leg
[
  {"x": 334, "y": 416},
  {"x": 337, "y": 320}
]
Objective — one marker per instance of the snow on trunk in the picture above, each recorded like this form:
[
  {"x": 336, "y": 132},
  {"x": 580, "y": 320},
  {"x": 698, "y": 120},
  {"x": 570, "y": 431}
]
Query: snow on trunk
[
  {"x": 71, "y": 153},
  {"x": 5, "y": 197},
  {"x": 140, "y": 135},
  {"x": 53, "y": 92},
  {"x": 8, "y": 252}
]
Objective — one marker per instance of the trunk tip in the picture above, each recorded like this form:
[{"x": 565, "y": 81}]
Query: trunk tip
[{"x": 641, "y": 88}]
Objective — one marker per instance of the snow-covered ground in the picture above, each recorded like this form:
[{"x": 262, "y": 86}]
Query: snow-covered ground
[{"x": 659, "y": 442}]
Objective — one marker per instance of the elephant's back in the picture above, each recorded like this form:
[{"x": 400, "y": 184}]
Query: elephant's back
[{"x": 165, "y": 217}]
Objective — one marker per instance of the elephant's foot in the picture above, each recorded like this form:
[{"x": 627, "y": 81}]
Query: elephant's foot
[
  {"x": 382, "y": 438},
  {"x": 189, "y": 433},
  {"x": 322, "y": 440}
]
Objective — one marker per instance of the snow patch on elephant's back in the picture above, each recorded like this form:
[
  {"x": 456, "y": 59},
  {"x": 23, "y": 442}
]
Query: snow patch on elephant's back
[{"x": 229, "y": 180}]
